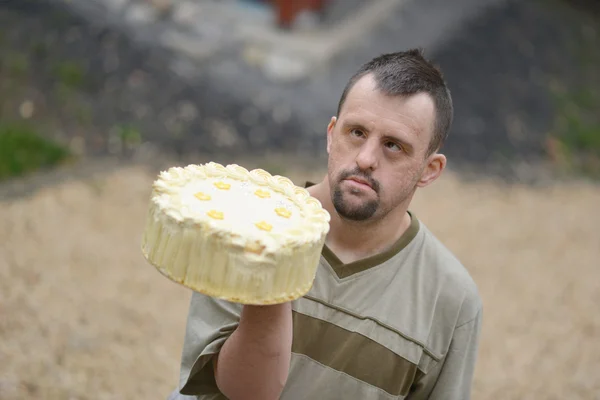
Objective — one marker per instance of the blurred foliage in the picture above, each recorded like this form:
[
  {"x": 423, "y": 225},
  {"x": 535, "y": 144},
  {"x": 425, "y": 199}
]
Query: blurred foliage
[
  {"x": 23, "y": 150},
  {"x": 17, "y": 65},
  {"x": 52, "y": 86},
  {"x": 70, "y": 74},
  {"x": 575, "y": 141},
  {"x": 129, "y": 135}
]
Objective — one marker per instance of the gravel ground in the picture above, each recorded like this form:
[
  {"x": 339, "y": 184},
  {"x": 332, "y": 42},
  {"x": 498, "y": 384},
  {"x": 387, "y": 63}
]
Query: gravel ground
[
  {"x": 85, "y": 317},
  {"x": 93, "y": 88}
]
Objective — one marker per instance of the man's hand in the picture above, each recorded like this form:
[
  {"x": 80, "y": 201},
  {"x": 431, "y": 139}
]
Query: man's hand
[{"x": 254, "y": 361}]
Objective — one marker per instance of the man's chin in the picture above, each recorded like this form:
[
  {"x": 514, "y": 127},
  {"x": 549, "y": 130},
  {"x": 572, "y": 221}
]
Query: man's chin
[
  {"x": 355, "y": 215},
  {"x": 356, "y": 211}
]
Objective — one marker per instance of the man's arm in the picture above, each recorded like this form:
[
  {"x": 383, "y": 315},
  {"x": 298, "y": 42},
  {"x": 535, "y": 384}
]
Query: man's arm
[
  {"x": 452, "y": 379},
  {"x": 254, "y": 361},
  {"x": 251, "y": 343}
]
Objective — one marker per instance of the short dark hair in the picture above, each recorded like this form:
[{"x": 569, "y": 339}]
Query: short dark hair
[{"x": 407, "y": 73}]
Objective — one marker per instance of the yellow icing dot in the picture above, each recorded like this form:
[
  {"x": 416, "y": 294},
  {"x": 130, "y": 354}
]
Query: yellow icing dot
[
  {"x": 222, "y": 185},
  {"x": 215, "y": 214},
  {"x": 283, "y": 212},
  {"x": 263, "y": 194},
  {"x": 202, "y": 196},
  {"x": 255, "y": 248},
  {"x": 264, "y": 226}
]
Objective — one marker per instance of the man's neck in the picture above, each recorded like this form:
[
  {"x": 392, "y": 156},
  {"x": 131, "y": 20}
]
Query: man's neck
[{"x": 351, "y": 240}]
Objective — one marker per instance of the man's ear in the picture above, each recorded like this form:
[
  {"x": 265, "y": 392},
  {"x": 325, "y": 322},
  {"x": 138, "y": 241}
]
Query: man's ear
[
  {"x": 330, "y": 128},
  {"x": 435, "y": 165}
]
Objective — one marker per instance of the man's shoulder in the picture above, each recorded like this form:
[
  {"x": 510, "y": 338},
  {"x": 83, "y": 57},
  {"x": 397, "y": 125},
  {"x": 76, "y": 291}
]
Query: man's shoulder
[{"x": 452, "y": 273}]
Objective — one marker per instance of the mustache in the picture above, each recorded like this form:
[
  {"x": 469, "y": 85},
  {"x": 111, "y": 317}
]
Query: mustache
[{"x": 357, "y": 172}]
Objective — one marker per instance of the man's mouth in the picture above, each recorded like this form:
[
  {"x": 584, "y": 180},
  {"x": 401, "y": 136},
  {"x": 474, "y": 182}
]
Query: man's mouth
[{"x": 359, "y": 182}]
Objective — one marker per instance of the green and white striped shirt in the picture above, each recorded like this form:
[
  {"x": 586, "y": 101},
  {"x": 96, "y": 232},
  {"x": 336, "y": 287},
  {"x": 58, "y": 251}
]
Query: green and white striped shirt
[{"x": 403, "y": 324}]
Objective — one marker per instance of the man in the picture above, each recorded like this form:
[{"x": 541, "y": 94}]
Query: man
[{"x": 392, "y": 313}]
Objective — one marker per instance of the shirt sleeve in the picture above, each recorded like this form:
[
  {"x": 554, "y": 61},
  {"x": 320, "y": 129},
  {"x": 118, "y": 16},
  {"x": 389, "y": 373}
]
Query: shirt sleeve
[
  {"x": 453, "y": 376},
  {"x": 210, "y": 322}
]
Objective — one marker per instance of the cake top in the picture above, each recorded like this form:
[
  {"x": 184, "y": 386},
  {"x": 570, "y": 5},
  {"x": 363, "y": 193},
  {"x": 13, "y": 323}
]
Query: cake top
[{"x": 258, "y": 210}]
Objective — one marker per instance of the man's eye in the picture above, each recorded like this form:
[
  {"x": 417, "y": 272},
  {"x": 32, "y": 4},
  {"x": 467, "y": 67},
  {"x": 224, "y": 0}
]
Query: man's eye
[
  {"x": 393, "y": 146},
  {"x": 357, "y": 132}
]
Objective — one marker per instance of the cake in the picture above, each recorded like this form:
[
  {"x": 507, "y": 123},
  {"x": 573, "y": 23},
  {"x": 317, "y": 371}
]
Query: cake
[{"x": 244, "y": 236}]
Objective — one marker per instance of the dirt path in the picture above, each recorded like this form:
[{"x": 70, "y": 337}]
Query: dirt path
[{"x": 84, "y": 317}]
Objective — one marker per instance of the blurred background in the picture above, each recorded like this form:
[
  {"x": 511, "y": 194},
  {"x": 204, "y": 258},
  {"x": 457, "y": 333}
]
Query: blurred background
[{"x": 97, "y": 96}]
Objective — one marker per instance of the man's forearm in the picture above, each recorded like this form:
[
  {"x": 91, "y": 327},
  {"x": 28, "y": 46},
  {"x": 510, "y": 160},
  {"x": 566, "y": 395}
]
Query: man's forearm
[{"x": 254, "y": 361}]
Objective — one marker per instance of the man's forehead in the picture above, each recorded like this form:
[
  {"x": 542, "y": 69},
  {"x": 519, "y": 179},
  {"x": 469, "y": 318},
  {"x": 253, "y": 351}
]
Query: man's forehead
[
  {"x": 366, "y": 83},
  {"x": 367, "y": 87},
  {"x": 371, "y": 106}
]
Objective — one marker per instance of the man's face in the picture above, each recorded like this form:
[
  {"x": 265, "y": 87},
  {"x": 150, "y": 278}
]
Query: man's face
[{"x": 378, "y": 151}]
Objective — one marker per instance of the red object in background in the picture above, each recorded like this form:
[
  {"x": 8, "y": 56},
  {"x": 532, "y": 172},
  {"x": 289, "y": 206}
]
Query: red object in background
[{"x": 287, "y": 10}]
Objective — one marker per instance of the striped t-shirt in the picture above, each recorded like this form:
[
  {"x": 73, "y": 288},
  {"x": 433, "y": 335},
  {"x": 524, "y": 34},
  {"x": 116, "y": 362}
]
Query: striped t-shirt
[{"x": 403, "y": 324}]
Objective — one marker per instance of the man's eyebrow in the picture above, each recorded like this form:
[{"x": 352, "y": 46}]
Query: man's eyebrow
[{"x": 354, "y": 124}]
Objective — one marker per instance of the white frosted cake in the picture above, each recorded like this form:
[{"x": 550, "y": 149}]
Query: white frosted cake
[{"x": 243, "y": 236}]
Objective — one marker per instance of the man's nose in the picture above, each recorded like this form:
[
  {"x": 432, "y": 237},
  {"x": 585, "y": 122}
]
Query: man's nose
[{"x": 367, "y": 157}]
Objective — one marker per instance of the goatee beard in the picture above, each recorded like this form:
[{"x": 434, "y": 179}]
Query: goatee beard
[{"x": 359, "y": 213}]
